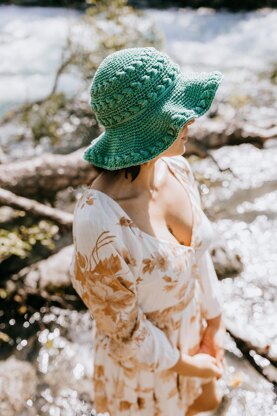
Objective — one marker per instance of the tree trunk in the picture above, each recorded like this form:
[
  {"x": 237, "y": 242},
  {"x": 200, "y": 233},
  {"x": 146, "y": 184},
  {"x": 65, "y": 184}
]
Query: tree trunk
[{"x": 44, "y": 176}]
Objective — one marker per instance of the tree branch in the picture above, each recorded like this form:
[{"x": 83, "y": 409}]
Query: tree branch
[{"x": 63, "y": 219}]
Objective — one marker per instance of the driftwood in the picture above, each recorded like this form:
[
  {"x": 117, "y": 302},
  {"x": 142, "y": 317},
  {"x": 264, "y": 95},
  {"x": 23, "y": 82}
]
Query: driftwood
[
  {"x": 247, "y": 349},
  {"x": 44, "y": 176},
  {"x": 248, "y": 346},
  {"x": 217, "y": 133},
  {"x": 62, "y": 218}
]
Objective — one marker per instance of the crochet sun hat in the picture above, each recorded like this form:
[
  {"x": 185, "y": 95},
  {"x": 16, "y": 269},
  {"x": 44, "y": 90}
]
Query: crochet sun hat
[{"x": 143, "y": 99}]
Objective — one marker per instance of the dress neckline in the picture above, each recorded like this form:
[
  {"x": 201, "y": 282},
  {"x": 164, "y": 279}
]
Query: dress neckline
[{"x": 149, "y": 236}]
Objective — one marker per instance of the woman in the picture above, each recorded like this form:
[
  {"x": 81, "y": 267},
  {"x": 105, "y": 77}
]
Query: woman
[{"x": 141, "y": 262}]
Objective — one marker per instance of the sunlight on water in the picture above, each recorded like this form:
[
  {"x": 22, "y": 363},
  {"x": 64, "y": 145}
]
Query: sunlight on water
[
  {"x": 207, "y": 40},
  {"x": 243, "y": 207},
  {"x": 251, "y": 201},
  {"x": 31, "y": 40}
]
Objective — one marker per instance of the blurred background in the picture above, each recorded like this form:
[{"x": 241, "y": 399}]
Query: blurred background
[{"x": 49, "y": 51}]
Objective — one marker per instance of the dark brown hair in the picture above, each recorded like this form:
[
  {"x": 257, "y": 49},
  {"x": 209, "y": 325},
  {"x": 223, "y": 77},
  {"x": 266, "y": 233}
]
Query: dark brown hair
[{"x": 133, "y": 170}]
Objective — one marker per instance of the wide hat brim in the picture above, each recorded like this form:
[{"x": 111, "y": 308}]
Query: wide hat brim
[{"x": 144, "y": 137}]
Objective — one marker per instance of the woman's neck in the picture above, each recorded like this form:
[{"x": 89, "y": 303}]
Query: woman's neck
[{"x": 148, "y": 181}]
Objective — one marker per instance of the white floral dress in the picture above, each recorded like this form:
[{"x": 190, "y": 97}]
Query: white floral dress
[{"x": 149, "y": 299}]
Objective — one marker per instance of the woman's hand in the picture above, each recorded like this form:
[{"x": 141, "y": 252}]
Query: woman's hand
[
  {"x": 198, "y": 365},
  {"x": 213, "y": 339}
]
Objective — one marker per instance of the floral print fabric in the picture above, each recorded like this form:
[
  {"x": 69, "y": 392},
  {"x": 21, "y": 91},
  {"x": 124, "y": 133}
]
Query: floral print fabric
[{"x": 149, "y": 299}]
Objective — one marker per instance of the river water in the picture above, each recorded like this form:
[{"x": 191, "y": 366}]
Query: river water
[
  {"x": 241, "y": 45},
  {"x": 243, "y": 207}
]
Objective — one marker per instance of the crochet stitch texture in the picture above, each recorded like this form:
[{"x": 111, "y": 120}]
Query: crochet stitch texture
[{"x": 143, "y": 99}]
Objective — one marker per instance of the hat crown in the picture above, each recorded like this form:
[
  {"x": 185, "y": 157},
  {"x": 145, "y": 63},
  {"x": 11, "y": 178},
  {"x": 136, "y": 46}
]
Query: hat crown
[{"x": 128, "y": 82}]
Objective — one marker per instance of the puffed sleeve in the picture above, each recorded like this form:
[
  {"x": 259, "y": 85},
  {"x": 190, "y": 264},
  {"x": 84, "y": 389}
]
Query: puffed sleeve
[
  {"x": 210, "y": 289},
  {"x": 103, "y": 274},
  {"x": 209, "y": 284}
]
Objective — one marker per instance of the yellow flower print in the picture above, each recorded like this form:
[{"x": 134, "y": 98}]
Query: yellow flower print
[
  {"x": 86, "y": 199},
  {"x": 149, "y": 265},
  {"x": 119, "y": 390},
  {"x": 171, "y": 283},
  {"x": 141, "y": 403},
  {"x": 80, "y": 265},
  {"x": 98, "y": 385},
  {"x": 106, "y": 302},
  {"x": 128, "y": 258},
  {"x": 125, "y": 405},
  {"x": 126, "y": 222},
  {"x": 157, "y": 260},
  {"x": 139, "y": 280},
  {"x": 187, "y": 293},
  {"x": 161, "y": 318},
  {"x": 98, "y": 371},
  {"x": 90, "y": 200},
  {"x": 106, "y": 292},
  {"x": 162, "y": 262},
  {"x": 176, "y": 325},
  {"x": 100, "y": 400}
]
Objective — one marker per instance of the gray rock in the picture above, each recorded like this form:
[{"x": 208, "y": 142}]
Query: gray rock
[
  {"x": 17, "y": 383},
  {"x": 51, "y": 274},
  {"x": 227, "y": 263}
]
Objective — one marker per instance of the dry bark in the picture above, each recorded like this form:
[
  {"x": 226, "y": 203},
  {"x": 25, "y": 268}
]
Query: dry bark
[
  {"x": 63, "y": 219},
  {"x": 246, "y": 345},
  {"x": 248, "y": 351},
  {"x": 44, "y": 176}
]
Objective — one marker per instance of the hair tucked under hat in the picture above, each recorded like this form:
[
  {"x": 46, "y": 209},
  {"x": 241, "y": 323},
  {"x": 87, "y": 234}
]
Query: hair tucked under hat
[{"x": 143, "y": 99}]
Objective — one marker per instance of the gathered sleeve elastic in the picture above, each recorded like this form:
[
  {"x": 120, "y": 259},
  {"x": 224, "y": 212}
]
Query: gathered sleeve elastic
[
  {"x": 209, "y": 284},
  {"x": 103, "y": 272}
]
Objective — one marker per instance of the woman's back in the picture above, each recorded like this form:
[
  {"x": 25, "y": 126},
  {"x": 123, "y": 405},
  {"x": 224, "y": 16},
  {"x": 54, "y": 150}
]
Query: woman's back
[
  {"x": 165, "y": 214},
  {"x": 148, "y": 297}
]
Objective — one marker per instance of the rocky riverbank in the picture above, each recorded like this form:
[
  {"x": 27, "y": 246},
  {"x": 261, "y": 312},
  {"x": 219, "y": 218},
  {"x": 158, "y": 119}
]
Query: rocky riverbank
[{"x": 46, "y": 334}]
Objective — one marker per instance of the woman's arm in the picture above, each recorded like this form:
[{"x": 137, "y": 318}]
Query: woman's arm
[
  {"x": 210, "y": 290},
  {"x": 213, "y": 342},
  {"x": 106, "y": 283},
  {"x": 201, "y": 365}
]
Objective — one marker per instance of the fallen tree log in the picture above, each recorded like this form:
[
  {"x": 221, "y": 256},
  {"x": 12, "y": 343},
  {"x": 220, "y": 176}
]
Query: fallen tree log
[
  {"x": 246, "y": 345},
  {"x": 61, "y": 218},
  {"x": 44, "y": 176},
  {"x": 217, "y": 133},
  {"x": 249, "y": 350}
]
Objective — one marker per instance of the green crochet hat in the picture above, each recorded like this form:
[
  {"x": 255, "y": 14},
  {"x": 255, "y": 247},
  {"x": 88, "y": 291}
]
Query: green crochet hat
[{"x": 143, "y": 99}]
